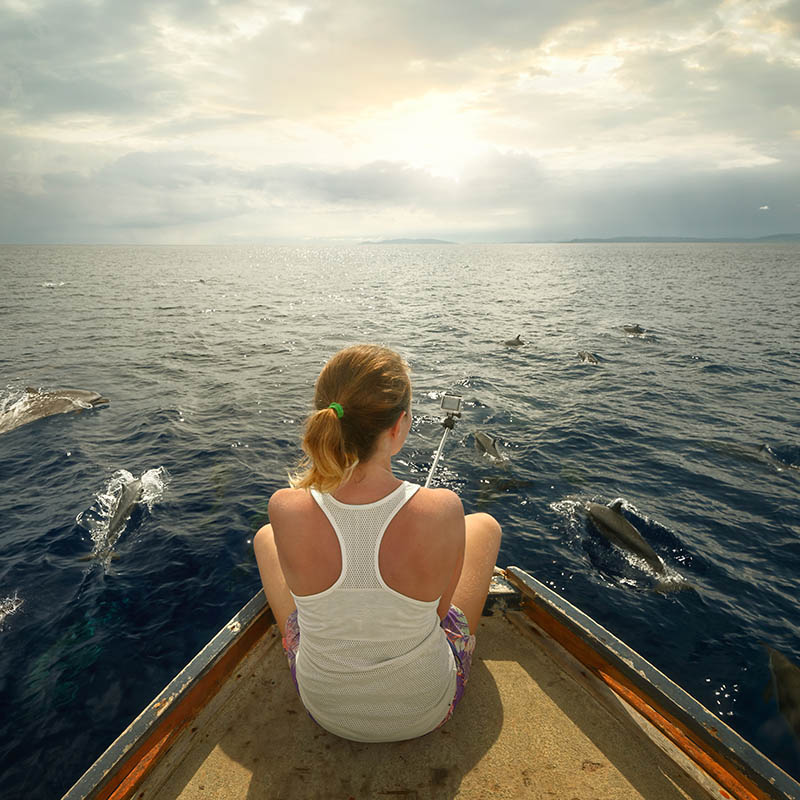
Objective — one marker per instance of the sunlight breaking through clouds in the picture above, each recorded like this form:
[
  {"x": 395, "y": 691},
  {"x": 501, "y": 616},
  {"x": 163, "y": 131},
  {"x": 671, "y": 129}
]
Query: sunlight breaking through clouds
[{"x": 266, "y": 120}]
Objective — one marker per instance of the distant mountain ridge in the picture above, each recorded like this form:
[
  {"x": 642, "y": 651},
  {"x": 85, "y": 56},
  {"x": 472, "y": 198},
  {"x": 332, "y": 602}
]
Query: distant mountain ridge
[{"x": 778, "y": 237}]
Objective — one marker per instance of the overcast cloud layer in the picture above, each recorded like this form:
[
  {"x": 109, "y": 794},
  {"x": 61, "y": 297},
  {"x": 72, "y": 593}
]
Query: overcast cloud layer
[{"x": 474, "y": 120}]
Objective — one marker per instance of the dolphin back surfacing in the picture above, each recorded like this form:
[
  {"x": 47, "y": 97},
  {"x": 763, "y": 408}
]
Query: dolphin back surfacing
[
  {"x": 486, "y": 444},
  {"x": 610, "y": 522},
  {"x": 129, "y": 497},
  {"x": 786, "y": 675},
  {"x": 37, "y": 405}
]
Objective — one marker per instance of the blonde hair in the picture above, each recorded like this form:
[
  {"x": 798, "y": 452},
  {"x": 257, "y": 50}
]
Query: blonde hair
[{"x": 373, "y": 387}]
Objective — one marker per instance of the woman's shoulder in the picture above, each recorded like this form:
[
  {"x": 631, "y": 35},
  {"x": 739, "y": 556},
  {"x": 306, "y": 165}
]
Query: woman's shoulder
[
  {"x": 290, "y": 501},
  {"x": 423, "y": 544},
  {"x": 438, "y": 502},
  {"x": 437, "y": 510}
]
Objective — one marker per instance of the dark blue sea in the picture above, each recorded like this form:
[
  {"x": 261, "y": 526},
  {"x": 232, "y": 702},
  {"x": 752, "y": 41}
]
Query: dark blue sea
[{"x": 208, "y": 357}]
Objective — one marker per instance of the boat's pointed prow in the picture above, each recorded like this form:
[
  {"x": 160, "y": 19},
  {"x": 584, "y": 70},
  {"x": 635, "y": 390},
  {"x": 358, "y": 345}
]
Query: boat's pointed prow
[{"x": 549, "y": 689}]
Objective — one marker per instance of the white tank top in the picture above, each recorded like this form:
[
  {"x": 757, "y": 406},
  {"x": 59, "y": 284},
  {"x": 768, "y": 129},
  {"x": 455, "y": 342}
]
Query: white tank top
[{"x": 373, "y": 665}]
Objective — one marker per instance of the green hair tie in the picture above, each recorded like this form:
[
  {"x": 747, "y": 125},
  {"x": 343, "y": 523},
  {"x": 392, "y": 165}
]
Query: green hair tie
[{"x": 338, "y": 409}]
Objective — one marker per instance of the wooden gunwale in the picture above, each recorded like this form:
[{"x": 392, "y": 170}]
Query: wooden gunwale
[
  {"x": 120, "y": 769},
  {"x": 742, "y": 770}
]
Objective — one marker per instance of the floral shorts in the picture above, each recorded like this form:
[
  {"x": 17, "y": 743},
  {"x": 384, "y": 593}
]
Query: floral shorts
[{"x": 461, "y": 642}]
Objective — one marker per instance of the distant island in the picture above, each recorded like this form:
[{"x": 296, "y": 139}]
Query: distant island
[
  {"x": 410, "y": 241},
  {"x": 778, "y": 237}
]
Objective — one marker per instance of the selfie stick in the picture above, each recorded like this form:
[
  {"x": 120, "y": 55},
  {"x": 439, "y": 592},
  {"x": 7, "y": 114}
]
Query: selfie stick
[{"x": 448, "y": 423}]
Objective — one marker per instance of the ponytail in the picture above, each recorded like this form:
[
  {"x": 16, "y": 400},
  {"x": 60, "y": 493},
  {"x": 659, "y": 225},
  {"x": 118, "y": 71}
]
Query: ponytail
[
  {"x": 327, "y": 464},
  {"x": 360, "y": 393}
]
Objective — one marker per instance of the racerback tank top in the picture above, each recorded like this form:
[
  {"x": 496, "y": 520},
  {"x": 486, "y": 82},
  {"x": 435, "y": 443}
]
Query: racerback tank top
[{"x": 373, "y": 665}]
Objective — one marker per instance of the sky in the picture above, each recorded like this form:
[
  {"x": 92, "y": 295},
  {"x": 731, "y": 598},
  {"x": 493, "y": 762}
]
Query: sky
[{"x": 244, "y": 121}]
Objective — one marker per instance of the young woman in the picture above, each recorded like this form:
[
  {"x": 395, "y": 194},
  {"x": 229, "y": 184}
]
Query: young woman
[{"x": 377, "y": 584}]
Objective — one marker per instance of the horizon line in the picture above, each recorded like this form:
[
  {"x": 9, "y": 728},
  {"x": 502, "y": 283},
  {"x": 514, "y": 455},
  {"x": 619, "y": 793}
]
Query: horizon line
[{"x": 428, "y": 241}]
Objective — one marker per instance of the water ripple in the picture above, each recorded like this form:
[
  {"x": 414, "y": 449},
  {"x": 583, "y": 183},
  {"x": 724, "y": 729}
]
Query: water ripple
[{"x": 210, "y": 372}]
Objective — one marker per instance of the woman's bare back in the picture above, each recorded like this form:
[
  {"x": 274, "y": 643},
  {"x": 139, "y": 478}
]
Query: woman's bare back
[{"x": 420, "y": 554}]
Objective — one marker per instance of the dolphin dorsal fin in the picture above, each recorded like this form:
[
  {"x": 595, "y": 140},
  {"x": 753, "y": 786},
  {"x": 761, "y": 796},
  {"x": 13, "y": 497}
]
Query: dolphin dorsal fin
[
  {"x": 493, "y": 440},
  {"x": 616, "y": 505},
  {"x": 31, "y": 390}
]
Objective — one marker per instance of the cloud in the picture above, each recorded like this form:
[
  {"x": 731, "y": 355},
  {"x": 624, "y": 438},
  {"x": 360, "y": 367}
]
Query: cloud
[
  {"x": 199, "y": 120},
  {"x": 788, "y": 14},
  {"x": 190, "y": 196},
  {"x": 80, "y": 58},
  {"x": 342, "y": 56},
  {"x": 714, "y": 86}
]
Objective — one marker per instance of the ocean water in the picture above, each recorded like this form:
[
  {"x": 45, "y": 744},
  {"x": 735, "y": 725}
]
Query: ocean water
[{"x": 208, "y": 357}]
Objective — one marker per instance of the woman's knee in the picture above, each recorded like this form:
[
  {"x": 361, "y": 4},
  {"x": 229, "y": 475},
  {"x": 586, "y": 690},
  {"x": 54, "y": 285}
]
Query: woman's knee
[
  {"x": 485, "y": 524},
  {"x": 264, "y": 542}
]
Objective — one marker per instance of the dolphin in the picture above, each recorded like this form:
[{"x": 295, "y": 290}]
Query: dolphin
[
  {"x": 610, "y": 522},
  {"x": 486, "y": 444},
  {"x": 633, "y": 328},
  {"x": 588, "y": 358},
  {"x": 36, "y": 405},
  {"x": 782, "y": 457},
  {"x": 128, "y": 499},
  {"x": 514, "y": 342},
  {"x": 786, "y": 679}
]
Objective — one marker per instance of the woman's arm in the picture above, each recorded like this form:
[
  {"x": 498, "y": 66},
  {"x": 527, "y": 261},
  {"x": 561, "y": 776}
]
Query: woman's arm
[{"x": 453, "y": 528}]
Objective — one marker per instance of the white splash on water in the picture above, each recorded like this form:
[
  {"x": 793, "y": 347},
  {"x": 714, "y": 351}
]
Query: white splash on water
[
  {"x": 97, "y": 519},
  {"x": 567, "y": 507},
  {"x": 8, "y": 605}
]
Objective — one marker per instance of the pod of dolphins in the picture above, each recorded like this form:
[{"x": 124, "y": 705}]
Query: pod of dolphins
[
  {"x": 585, "y": 356},
  {"x": 608, "y": 520},
  {"x": 36, "y": 405}
]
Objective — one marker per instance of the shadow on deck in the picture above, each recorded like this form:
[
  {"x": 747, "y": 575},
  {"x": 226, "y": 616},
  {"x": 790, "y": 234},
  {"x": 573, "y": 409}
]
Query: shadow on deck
[{"x": 525, "y": 728}]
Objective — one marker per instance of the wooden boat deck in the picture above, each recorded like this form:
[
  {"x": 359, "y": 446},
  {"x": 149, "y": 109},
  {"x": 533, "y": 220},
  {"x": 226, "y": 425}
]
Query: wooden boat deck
[
  {"x": 530, "y": 725},
  {"x": 557, "y": 707}
]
